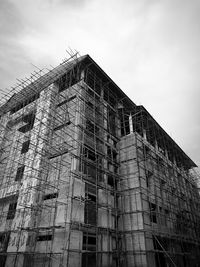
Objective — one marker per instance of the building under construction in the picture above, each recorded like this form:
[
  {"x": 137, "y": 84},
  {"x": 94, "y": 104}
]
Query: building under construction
[{"x": 88, "y": 178}]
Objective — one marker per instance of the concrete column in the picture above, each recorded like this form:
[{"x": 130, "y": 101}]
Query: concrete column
[
  {"x": 144, "y": 134},
  {"x": 130, "y": 123}
]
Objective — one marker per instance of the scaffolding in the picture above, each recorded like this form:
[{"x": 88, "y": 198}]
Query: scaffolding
[
  {"x": 160, "y": 199},
  {"x": 90, "y": 179}
]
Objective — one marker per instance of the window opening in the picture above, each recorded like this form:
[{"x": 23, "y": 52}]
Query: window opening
[
  {"x": 90, "y": 204},
  {"x": 20, "y": 172},
  {"x": 153, "y": 216},
  {"x": 44, "y": 238},
  {"x": 50, "y": 196},
  {"x": 29, "y": 119},
  {"x": 25, "y": 147},
  {"x": 11, "y": 211}
]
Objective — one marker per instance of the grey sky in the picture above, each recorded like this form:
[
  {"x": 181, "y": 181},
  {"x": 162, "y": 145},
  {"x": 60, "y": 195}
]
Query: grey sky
[{"x": 150, "y": 48}]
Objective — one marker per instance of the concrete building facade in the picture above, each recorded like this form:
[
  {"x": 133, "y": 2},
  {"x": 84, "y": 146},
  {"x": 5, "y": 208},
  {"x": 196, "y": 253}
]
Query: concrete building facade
[{"x": 88, "y": 178}]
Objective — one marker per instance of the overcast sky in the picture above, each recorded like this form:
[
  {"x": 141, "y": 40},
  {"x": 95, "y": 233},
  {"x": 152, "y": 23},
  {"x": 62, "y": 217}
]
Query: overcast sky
[{"x": 150, "y": 48}]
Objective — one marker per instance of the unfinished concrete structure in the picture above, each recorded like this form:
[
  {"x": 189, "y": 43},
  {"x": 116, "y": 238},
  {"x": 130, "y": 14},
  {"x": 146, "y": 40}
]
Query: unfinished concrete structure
[{"x": 88, "y": 178}]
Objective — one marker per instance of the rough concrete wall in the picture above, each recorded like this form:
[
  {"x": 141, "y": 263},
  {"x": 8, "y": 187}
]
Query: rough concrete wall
[
  {"x": 131, "y": 200},
  {"x": 27, "y": 193}
]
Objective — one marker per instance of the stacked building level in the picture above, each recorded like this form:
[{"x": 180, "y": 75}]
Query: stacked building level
[{"x": 90, "y": 179}]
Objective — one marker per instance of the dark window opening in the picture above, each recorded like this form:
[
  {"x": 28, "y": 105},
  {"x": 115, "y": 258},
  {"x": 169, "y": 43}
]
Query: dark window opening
[
  {"x": 115, "y": 169},
  {"x": 111, "y": 122},
  {"x": 89, "y": 79},
  {"x": 92, "y": 240},
  {"x": 109, "y": 98},
  {"x": 149, "y": 174},
  {"x": 3, "y": 260},
  {"x": 148, "y": 181},
  {"x": 112, "y": 154},
  {"x": 89, "y": 170},
  {"x": 89, "y": 242},
  {"x": 127, "y": 127},
  {"x": 124, "y": 123},
  {"x": 44, "y": 237},
  {"x": 90, "y": 189},
  {"x": 25, "y": 103},
  {"x": 153, "y": 215},
  {"x": 93, "y": 82},
  {"x": 92, "y": 198},
  {"x": 29, "y": 120},
  {"x": 62, "y": 83},
  {"x": 166, "y": 212},
  {"x": 4, "y": 239},
  {"x": 112, "y": 101},
  {"x": 138, "y": 127},
  {"x": 20, "y": 173},
  {"x": 89, "y": 154},
  {"x": 90, "y": 213},
  {"x": 114, "y": 143},
  {"x": 88, "y": 259},
  {"x": 151, "y": 135},
  {"x": 109, "y": 152},
  {"x": 160, "y": 243},
  {"x": 25, "y": 147},
  {"x": 100, "y": 177},
  {"x": 11, "y": 211},
  {"x": 111, "y": 180},
  {"x": 91, "y": 128},
  {"x": 69, "y": 79},
  {"x": 50, "y": 196}
]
